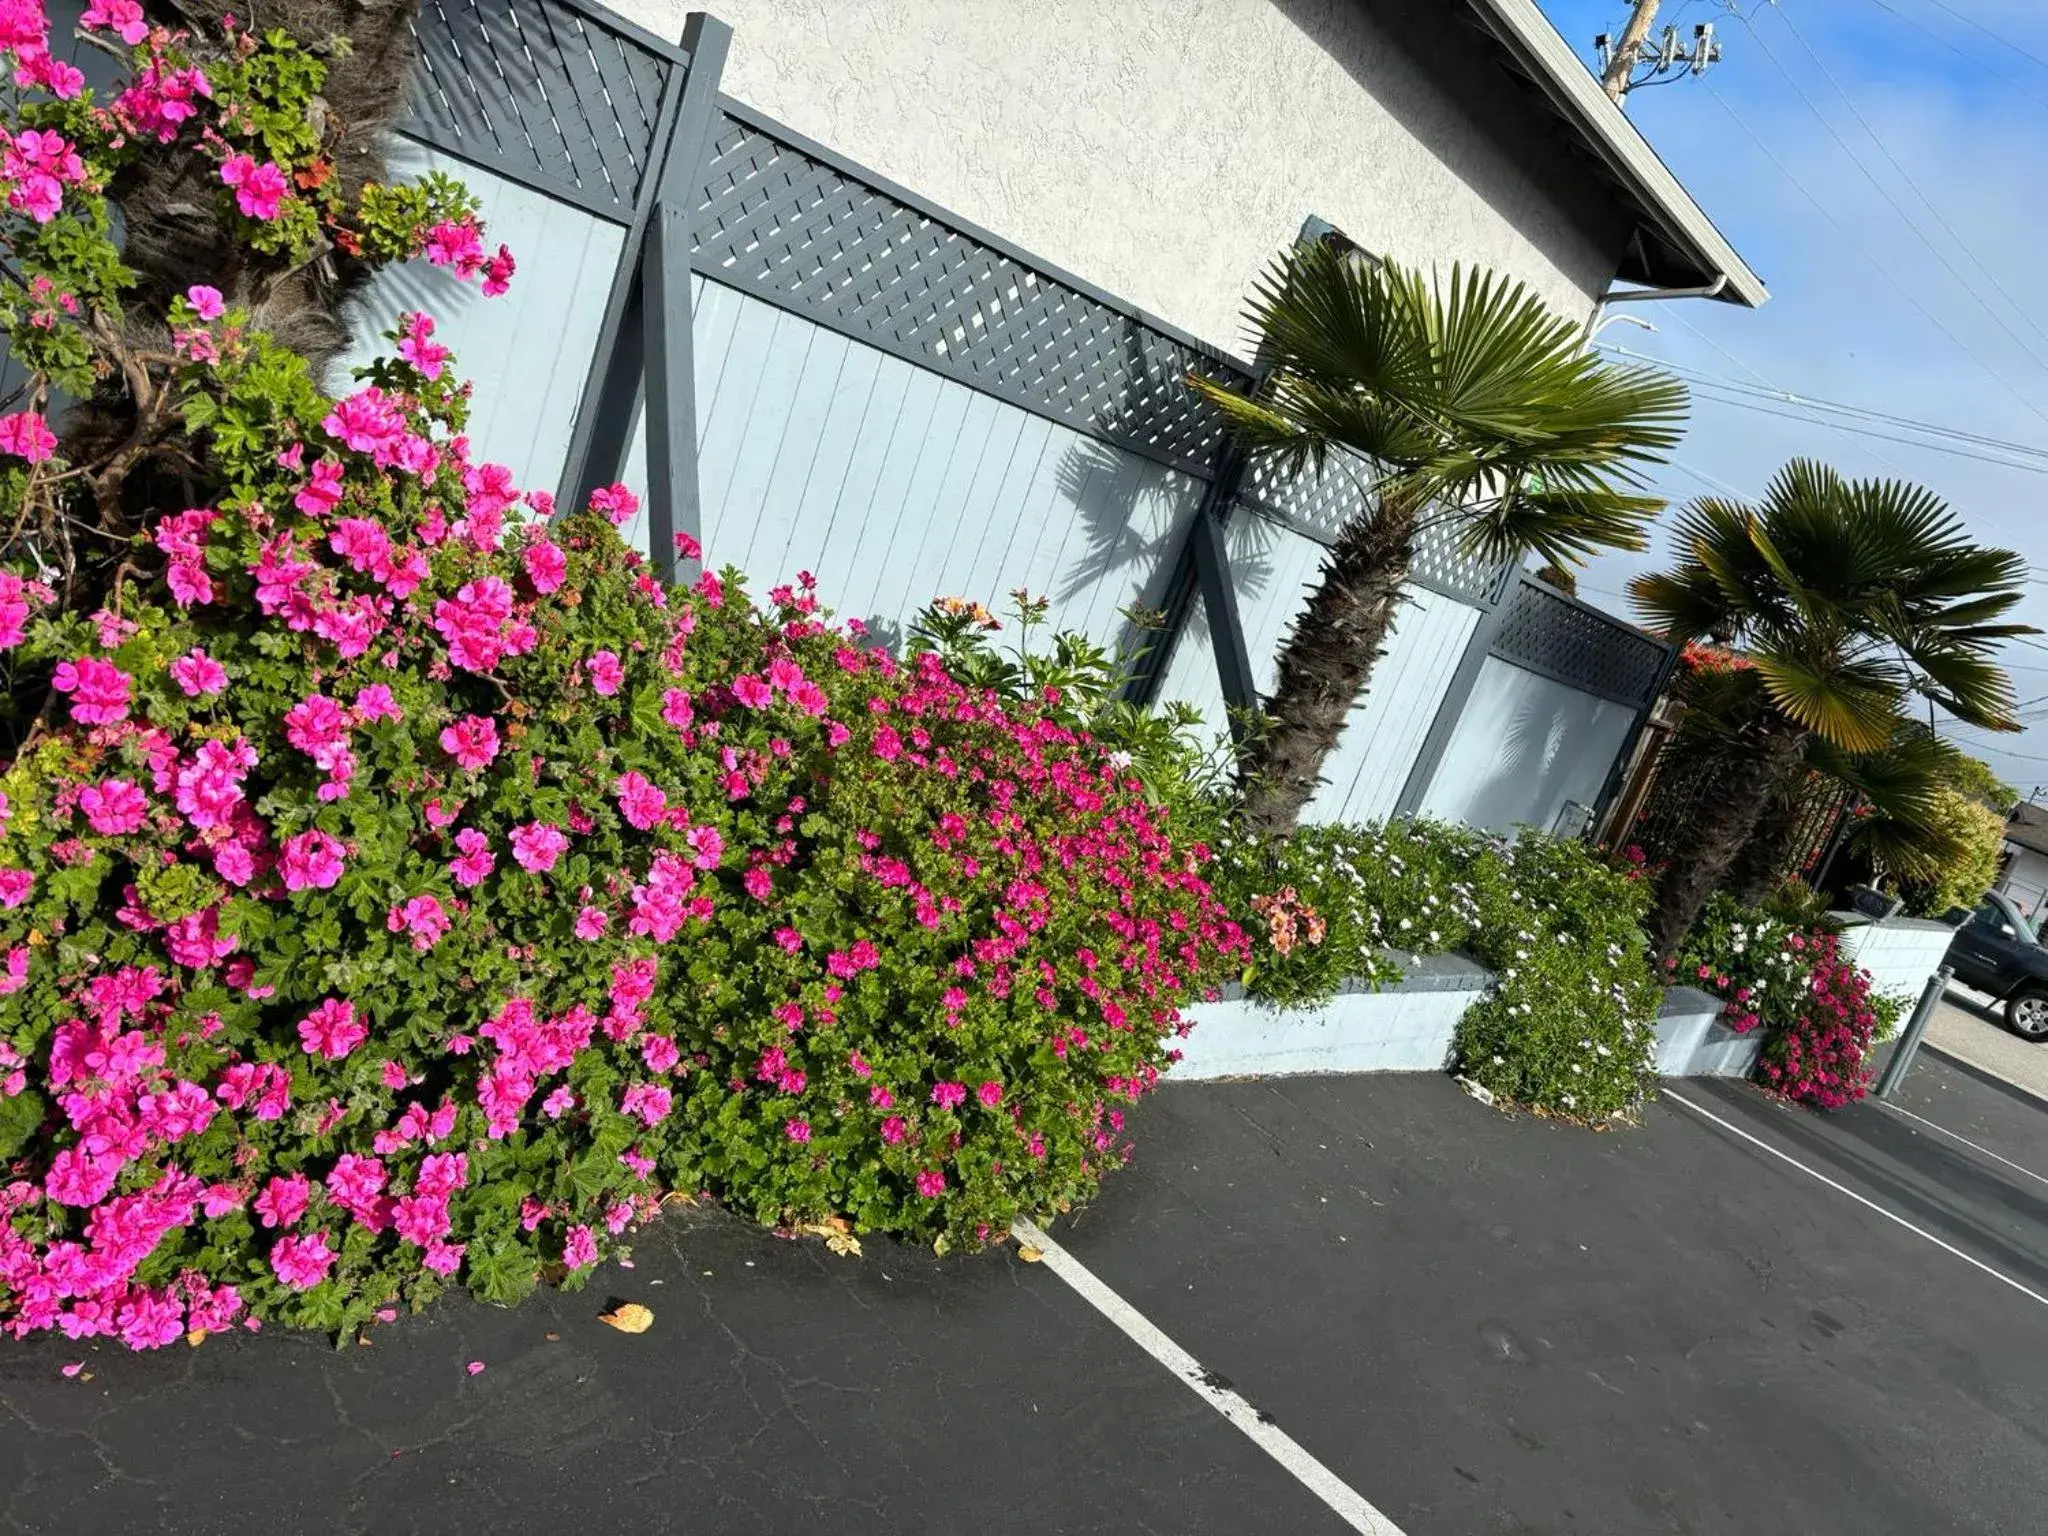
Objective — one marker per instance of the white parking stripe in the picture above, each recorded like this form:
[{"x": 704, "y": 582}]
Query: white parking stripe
[
  {"x": 1347, "y": 1503},
  {"x": 1757, "y": 1141},
  {"x": 2016, "y": 1168}
]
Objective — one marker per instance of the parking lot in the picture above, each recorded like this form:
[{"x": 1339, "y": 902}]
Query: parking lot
[
  {"x": 1465, "y": 1322},
  {"x": 1970, "y": 1027}
]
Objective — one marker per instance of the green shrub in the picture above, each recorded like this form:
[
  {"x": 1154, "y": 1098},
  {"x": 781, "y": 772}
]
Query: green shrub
[
  {"x": 1331, "y": 903},
  {"x": 1571, "y": 1025}
]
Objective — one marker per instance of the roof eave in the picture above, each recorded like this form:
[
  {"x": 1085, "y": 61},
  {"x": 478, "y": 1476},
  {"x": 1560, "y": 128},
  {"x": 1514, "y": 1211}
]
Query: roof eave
[{"x": 1548, "y": 61}]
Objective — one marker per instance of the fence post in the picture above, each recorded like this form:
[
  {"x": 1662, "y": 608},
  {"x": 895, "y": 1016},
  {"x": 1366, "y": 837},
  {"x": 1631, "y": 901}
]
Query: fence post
[
  {"x": 1908, "y": 1047},
  {"x": 645, "y": 343},
  {"x": 1202, "y": 568}
]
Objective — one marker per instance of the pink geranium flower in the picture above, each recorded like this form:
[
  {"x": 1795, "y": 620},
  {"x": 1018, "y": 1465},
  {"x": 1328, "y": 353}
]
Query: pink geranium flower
[
  {"x": 332, "y": 1030},
  {"x": 423, "y": 917},
  {"x": 284, "y": 1200},
  {"x": 546, "y": 565},
  {"x": 198, "y": 674},
  {"x": 311, "y": 861},
  {"x": 123, "y": 18},
  {"x": 537, "y": 845},
  {"x": 98, "y": 690},
  {"x": 302, "y": 1262},
  {"x": 114, "y": 807},
  {"x": 206, "y": 302},
  {"x": 259, "y": 189},
  {"x": 25, "y": 435},
  {"x": 640, "y": 802},
  {"x": 474, "y": 860},
  {"x": 579, "y": 1250},
  {"x": 606, "y": 673},
  {"x": 472, "y": 741}
]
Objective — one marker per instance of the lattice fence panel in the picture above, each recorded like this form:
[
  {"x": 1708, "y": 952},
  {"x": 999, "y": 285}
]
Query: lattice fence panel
[
  {"x": 540, "y": 92},
  {"x": 811, "y": 235},
  {"x": 1577, "y": 645},
  {"x": 1318, "y": 503}
]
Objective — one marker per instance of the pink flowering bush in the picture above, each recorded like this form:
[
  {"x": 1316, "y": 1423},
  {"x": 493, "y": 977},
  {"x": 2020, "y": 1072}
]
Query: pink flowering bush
[
  {"x": 403, "y": 885},
  {"x": 240, "y": 177},
  {"x": 1821, "y": 1056},
  {"x": 1817, "y": 1010},
  {"x": 779, "y": 917}
]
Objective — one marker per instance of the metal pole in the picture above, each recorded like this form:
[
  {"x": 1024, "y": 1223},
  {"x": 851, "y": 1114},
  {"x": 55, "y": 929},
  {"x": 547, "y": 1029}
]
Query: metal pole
[{"x": 1909, "y": 1038}]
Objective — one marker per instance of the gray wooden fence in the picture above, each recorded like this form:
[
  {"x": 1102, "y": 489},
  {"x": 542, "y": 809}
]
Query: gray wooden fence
[{"x": 809, "y": 367}]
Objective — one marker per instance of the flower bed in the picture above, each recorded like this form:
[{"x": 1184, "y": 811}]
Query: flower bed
[
  {"x": 1570, "y": 1026},
  {"x": 1812, "y": 1005}
]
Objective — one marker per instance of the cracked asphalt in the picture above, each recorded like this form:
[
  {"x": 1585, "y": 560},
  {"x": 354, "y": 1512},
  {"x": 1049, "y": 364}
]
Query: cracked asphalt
[{"x": 1483, "y": 1324}]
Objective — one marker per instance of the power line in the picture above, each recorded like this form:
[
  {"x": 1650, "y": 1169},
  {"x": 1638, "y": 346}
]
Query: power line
[
  {"x": 1707, "y": 393},
  {"x": 1964, "y": 54},
  {"x": 1706, "y": 479},
  {"x": 1723, "y": 391},
  {"x": 2002, "y": 41},
  {"x": 1753, "y": 373},
  {"x": 1773, "y": 395},
  {"x": 1904, "y": 175},
  {"x": 1881, "y": 270}
]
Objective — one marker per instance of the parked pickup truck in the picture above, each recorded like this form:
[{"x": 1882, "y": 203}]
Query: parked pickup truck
[{"x": 1995, "y": 951}]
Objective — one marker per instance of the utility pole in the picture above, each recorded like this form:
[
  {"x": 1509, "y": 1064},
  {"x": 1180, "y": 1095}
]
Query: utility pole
[
  {"x": 1637, "y": 60},
  {"x": 1622, "y": 61}
]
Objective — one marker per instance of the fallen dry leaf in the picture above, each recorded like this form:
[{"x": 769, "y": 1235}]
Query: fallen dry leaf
[
  {"x": 552, "y": 1338},
  {"x": 837, "y": 1233},
  {"x": 196, "y": 1337},
  {"x": 628, "y": 1317},
  {"x": 1029, "y": 1254},
  {"x": 678, "y": 1197}
]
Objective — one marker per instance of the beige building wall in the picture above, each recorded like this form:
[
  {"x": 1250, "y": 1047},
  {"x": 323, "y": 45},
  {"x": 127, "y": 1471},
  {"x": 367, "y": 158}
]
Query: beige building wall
[{"x": 1166, "y": 149}]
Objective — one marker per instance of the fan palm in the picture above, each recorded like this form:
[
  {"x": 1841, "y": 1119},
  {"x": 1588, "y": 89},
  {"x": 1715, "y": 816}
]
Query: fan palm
[
  {"x": 1467, "y": 404},
  {"x": 1850, "y": 599},
  {"x": 1898, "y": 823}
]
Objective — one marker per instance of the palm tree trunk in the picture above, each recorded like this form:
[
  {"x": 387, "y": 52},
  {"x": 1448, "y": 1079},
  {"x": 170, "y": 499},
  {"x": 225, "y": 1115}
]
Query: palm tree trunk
[
  {"x": 1759, "y": 868},
  {"x": 1327, "y": 664},
  {"x": 1726, "y": 822}
]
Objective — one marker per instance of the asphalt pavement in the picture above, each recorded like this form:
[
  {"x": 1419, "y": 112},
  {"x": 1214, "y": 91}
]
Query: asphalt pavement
[
  {"x": 1970, "y": 1027},
  {"x": 1481, "y": 1323}
]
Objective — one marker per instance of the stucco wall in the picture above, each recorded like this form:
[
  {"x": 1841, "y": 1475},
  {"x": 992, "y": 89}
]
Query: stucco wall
[{"x": 1165, "y": 149}]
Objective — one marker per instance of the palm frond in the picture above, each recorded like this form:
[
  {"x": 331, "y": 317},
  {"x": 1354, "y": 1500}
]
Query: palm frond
[
  {"x": 1468, "y": 388},
  {"x": 1853, "y": 704}
]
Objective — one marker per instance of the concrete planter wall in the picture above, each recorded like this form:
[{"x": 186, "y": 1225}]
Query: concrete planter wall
[
  {"x": 1410, "y": 1025},
  {"x": 1407, "y": 1027},
  {"x": 1693, "y": 1042},
  {"x": 1900, "y": 953}
]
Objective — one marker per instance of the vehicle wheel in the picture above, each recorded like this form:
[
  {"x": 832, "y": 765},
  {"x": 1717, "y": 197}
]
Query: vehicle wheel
[{"x": 2026, "y": 1013}]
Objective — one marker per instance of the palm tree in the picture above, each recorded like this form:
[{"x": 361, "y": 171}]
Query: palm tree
[
  {"x": 1851, "y": 600},
  {"x": 1467, "y": 404},
  {"x": 1897, "y": 821}
]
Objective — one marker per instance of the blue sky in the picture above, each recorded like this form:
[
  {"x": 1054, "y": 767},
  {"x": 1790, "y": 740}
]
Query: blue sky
[{"x": 1934, "y": 309}]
